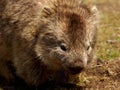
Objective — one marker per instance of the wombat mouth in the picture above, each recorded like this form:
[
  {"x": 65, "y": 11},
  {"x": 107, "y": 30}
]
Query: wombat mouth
[{"x": 75, "y": 70}]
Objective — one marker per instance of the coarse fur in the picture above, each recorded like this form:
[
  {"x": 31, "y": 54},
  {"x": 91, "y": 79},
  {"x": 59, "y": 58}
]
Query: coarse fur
[{"x": 42, "y": 40}]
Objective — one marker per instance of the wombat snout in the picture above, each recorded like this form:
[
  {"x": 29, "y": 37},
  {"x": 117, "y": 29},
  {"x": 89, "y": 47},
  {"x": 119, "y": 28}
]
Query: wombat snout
[{"x": 76, "y": 67}]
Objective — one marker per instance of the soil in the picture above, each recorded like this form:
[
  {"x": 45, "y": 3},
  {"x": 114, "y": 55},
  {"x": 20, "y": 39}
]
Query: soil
[{"x": 103, "y": 76}]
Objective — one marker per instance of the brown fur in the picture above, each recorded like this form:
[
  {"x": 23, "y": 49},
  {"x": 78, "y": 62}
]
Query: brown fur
[{"x": 42, "y": 39}]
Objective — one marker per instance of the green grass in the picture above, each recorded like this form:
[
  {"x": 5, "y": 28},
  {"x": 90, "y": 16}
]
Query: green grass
[
  {"x": 94, "y": 1},
  {"x": 108, "y": 45},
  {"x": 109, "y": 32}
]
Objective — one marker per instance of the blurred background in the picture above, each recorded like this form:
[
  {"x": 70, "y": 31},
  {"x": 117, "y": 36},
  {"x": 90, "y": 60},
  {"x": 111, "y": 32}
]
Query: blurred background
[{"x": 108, "y": 45}]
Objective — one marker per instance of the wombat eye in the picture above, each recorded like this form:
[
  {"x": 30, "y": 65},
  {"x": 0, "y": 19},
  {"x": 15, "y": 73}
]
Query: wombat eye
[
  {"x": 63, "y": 47},
  {"x": 88, "y": 47}
]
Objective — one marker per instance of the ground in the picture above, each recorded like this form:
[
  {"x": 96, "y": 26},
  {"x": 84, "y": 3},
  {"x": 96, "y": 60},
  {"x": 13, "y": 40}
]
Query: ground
[
  {"x": 109, "y": 30},
  {"x": 103, "y": 76}
]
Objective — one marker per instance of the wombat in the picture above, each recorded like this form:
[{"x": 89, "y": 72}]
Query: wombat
[{"x": 43, "y": 40}]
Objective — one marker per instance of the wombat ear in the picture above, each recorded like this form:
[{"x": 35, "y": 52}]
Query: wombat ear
[
  {"x": 81, "y": 1},
  {"x": 94, "y": 9},
  {"x": 95, "y": 15}
]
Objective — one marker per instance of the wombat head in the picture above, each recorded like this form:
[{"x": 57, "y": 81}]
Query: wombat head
[{"x": 67, "y": 38}]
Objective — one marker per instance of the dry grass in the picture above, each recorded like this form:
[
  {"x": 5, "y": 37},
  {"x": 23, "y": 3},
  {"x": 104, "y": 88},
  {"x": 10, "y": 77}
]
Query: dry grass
[{"x": 104, "y": 76}]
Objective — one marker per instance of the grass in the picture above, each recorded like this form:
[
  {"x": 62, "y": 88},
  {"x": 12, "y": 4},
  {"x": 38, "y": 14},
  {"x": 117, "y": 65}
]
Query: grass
[{"x": 108, "y": 46}]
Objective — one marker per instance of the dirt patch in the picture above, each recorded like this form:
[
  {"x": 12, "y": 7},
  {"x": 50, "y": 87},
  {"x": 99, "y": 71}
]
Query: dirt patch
[{"x": 103, "y": 76}]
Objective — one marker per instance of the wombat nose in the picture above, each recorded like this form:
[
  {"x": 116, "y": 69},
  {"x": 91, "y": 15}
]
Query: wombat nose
[
  {"x": 63, "y": 47},
  {"x": 75, "y": 70}
]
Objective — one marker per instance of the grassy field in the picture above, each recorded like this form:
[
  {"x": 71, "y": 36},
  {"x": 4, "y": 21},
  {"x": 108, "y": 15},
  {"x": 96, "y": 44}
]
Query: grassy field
[{"x": 109, "y": 31}]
